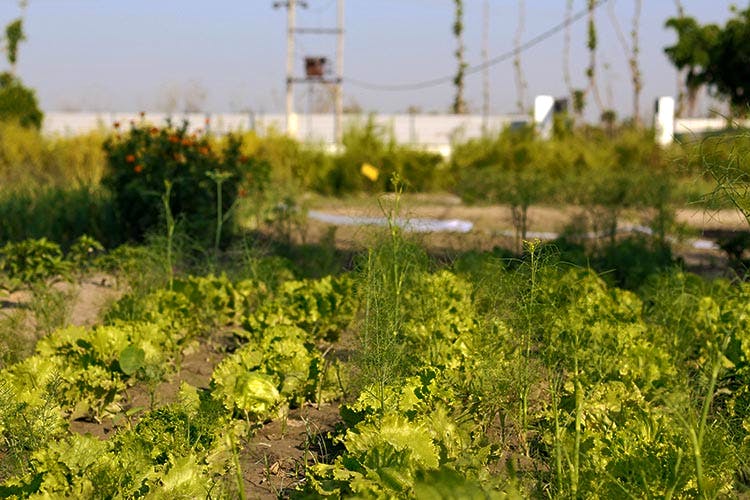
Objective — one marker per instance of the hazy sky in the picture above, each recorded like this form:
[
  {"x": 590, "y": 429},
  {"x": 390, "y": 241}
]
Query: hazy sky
[{"x": 141, "y": 54}]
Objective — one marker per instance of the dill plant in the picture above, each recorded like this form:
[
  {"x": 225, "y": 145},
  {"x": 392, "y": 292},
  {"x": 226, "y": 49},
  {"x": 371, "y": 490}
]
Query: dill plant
[{"x": 386, "y": 273}]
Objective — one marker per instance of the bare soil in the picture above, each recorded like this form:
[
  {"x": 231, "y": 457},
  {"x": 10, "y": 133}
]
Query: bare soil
[
  {"x": 276, "y": 457},
  {"x": 493, "y": 225}
]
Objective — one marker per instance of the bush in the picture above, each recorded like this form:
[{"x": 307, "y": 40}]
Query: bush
[
  {"x": 145, "y": 158},
  {"x": 58, "y": 214},
  {"x": 18, "y": 103},
  {"x": 368, "y": 144}
]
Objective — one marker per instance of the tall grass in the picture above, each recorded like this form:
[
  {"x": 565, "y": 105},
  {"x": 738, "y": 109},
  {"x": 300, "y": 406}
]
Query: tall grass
[
  {"x": 59, "y": 214},
  {"x": 31, "y": 160}
]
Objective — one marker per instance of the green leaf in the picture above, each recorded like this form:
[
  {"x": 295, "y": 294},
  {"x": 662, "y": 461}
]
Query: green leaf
[{"x": 131, "y": 359}]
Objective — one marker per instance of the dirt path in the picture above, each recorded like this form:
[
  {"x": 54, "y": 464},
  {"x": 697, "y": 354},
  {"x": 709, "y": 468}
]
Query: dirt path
[{"x": 493, "y": 224}]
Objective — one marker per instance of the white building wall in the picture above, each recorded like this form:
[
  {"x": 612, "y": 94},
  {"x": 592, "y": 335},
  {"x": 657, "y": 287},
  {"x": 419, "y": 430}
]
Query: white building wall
[{"x": 432, "y": 132}]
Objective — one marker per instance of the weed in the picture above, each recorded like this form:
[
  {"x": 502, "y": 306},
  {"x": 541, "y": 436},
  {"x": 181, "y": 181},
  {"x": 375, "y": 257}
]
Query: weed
[{"x": 50, "y": 307}]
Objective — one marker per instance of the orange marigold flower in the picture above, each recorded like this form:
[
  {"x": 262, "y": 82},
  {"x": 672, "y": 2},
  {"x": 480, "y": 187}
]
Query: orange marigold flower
[
  {"x": 203, "y": 150},
  {"x": 187, "y": 142},
  {"x": 174, "y": 139},
  {"x": 242, "y": 193},
  {"x": 154, "y": 130},
  {"x": 243, "y": 158},
  {"x": 138, "y": 169},
  {"x": 116, "y": 124},
  {"x": 142, "y": 114},
  {"x": 130, "y": 158}
]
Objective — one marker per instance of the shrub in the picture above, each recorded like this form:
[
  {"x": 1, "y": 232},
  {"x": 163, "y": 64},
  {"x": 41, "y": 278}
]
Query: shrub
[
  {"x": 18, "y": 103},
  {"x": 369, "y": 144},
  {"x": 58, "y": 214},
  {"x": 145, "y": 158}
]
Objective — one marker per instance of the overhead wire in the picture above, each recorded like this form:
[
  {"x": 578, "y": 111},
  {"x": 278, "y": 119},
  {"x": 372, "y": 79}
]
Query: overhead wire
[{"x": 434, "y": 82}]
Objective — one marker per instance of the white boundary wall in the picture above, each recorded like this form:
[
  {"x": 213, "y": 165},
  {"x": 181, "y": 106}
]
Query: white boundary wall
[
  {"x": 668, "y": 126},
  {"x": 432, "y": 132}
]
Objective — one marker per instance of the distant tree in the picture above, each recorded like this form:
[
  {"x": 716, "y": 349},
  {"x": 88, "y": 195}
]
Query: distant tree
[
  {"x": 17, "y": 102},
  {"x": 579, "y": 103},
  {"x": 692, "y": 53},
  {"x": 728, "y": 71},
  {"x": 459, "y": 103},
  {"x": 714, "y": 56},
  {"x": 609, "y": 119},
  {"x": 591, "y": 44},
  {"x": 632, "y": 50},
  {"x": 14, "y": 35}
]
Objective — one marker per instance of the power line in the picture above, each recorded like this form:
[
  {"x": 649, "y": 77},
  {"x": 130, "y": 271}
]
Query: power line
[{"x": 479, "y": 67}]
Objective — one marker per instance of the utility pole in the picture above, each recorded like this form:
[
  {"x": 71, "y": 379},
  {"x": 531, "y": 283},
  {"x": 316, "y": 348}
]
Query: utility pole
[
  {"x": 291, "y": 17},
  {"x": 291, "y": 119},
  {"x": 486, "y": 69},
  {"x": 338, "y": 131},
  {"x": 315, "y": 73}
]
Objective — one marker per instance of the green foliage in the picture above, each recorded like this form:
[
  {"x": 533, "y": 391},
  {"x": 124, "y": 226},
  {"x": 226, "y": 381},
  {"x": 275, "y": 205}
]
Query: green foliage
[
  {"x": 714, "y": 56},
  {"x": 369, "y": 144},
  {"x": 279, "y": 365},
  {"x": 31, "y": 160},
  {"x": 60, "y": 215},
  {"x": 18, "y": 103},
  {"x": 174, "y": 452},
  {"x": 725, "y": 160},
  {"x": 459, "y": 104},
  {"x": 13, "y": 36},
  {"x": 323, "y": 307},
  {"x": 83, "y": 252},
  {"x": 146, "y": 157},
  {"x": 31, "y": 261},
  {"x": 606, "y": 175}
]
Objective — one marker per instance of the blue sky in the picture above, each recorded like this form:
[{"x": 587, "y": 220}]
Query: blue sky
[{"x": 143, "y": 54}]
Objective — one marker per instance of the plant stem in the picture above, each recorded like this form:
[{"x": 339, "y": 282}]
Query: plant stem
[{"x": 170, "y": 229}]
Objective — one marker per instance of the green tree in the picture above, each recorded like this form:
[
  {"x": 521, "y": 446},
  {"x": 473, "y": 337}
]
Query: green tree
[
  {"x": 14, "y": 35},
  {"x": 459, "y": 103},
  {"x": 728, "y": 71},
  {"x": 591, "y": 44},
  {"x": 692, "y": 53},
  {"x": 18, "y": 103},
  {"x": 715, "y": 56}
]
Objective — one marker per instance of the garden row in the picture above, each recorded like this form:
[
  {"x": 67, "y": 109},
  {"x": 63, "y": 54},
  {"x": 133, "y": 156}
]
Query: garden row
[
  {"x": 524, "y": 377},
  {"x": 186, "y": 449}
]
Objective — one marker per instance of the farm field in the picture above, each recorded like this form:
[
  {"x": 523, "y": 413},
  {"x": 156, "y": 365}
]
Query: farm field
[
  {"x": 213, "y": 339},
  {"x": 386, "y": 292}
]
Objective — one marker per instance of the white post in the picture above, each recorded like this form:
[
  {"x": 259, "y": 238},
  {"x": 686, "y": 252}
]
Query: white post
[
  {"x": 664, "y": 120},
  {"x": 544, "y": 110}
]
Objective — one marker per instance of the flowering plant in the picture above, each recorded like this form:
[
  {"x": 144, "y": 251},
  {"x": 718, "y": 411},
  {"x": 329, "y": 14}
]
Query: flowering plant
[{"x": 144, "y": 157}]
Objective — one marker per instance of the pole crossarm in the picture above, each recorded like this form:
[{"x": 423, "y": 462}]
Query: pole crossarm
[{"x": 318, "y": 31}]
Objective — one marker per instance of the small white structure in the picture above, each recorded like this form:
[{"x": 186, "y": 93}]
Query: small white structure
[
  {"x": 544, "y": 111},
  {"x": 664, "y": 120}
]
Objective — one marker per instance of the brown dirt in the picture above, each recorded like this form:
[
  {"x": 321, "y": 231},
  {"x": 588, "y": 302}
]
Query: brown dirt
[
  {"x": 198, "y": 363},
  {"x": 275, "y": 458},
  {"x": 89, "y": 297},
  {"x": 493, "y": 225}
]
